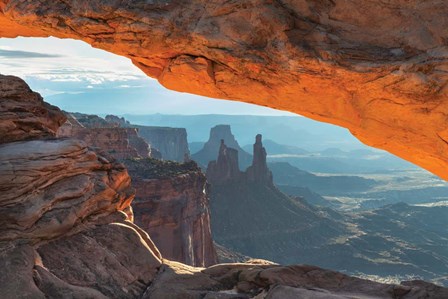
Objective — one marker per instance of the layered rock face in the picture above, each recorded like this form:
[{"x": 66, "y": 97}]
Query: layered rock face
[
  {"x": 261, "y": 279},
  {"x": 118, "y": 142},
  {"x": 376, "y": 68},
  {"x": 211, "y": 148},
  {"x": 24, "y": 113},
  {"x": 170, "y": 142},
  {"x": 172, "y": 206},
  {"x": 65, "y": 229},
  {"x": 65, "y": 233}
]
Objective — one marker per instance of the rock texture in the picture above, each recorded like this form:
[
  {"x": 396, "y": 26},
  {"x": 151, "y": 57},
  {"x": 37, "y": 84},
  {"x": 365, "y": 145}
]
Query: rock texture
[
  {"x": 66, "y": 233},
  {"x": 64, "y": 212},
  {"x": 377, "y": 68},
  {"x": 170, "y": 142},
  {"x": 261, "y": 279},
  {"x": 171, "y": 203},
  {"x": 172, "y": 206},
  {"x": 118, "y": 142},
  {"x": 23, "y": 113},
  {"x": 211, "y": 148}
]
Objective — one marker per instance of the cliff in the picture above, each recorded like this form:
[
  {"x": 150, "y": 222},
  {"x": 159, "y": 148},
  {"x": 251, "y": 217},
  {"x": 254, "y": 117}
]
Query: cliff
[
  {"x": 211, "y": 148},
  {"x": 259, "y": 172},
  {"x": 170, "y": 142},
  {"x": 63, "y": 208},
  {"x": 171, "y": 203},
  {"x": 319, "y": 236},
  {"x": 117, "y": 141},
  {"x": 66, "y": 231},
  {"x": 172, "y": 206},
  {"x": 225, "y": 168}
]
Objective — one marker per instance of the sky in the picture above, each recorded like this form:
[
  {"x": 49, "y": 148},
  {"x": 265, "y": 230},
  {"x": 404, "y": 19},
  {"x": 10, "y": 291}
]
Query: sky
[{"x": 76, "y": 77}]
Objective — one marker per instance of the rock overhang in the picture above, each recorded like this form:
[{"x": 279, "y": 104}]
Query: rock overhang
[{"x": 380, "y": 70}]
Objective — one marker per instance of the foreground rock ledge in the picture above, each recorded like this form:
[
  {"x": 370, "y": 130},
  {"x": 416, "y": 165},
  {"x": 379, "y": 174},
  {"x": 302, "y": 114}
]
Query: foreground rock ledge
[{"x": 378, "y": 68}]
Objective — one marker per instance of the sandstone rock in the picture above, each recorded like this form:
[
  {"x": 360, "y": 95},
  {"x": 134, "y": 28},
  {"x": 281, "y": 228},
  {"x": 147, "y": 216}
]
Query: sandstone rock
[
  {"x": 376, "y": 68},
  {"x": 170, "y": 142},
  {"x": 273, "y": 281},
  {"x": 225, "y": 168},
  {"x": 119, "y": 143},
  {"x": 117, "y": 121},
  {"x": 112, "y": 259},
  {"x": 16, "y": 279},
  {"x": 172, "y": 206},
  {"x": 226, "y": 255},
  {"x": 212, "y": 147},
  {"x": 49, "y": 187},
  {"x": 185, "y": 234},
  {"x": 110, "y": 135},
  {"x": 259, "y": 171},
  {"x": 92, "y": 121},
  {"x": 23, "y": 113}
]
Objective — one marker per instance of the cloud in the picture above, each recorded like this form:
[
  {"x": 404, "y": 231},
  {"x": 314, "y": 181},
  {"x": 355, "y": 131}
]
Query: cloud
[{"x": 25, "y": 54}]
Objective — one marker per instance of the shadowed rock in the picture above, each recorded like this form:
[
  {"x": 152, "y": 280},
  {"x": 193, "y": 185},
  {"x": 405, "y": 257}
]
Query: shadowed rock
[
  {"x": 172, "y": 205},
  {"x": 23, "y": 113},
  {"x": 212, "y": 147}
]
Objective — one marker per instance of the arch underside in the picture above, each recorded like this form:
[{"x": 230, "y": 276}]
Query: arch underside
[{"x": 379, "y": 69}]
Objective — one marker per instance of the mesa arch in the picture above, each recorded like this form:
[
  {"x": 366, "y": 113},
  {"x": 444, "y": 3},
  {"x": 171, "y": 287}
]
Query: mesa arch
[{"x": 378, "y": 68}]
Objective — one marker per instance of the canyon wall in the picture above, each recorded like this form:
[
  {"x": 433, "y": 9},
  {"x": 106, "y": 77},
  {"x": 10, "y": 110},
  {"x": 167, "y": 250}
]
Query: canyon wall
[
  {"x": 170, "y": 142},
  {"x": 110, "y": 137},
  {"x": 63, "y": 208},
  {"x": 66, "y": 229},
  {"x": 171, "y": 204},
  {"x": 377, "y": 68}
]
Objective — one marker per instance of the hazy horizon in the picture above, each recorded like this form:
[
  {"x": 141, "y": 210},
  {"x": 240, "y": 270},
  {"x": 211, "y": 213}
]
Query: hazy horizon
[{"x": 77, "y": 77}]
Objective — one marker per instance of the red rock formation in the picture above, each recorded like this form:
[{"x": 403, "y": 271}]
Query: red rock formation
[
  {"x": 225, "y": 168},
  {"x": 259, "y": 172},
  {"x": 64, "y": 234},
  {"x": 114, "y": 141},
  {"x": 172, "y": 206},
  {"x": 171, "y": 143},
  {"x": 377, "y": 68},
  {"x": 118, "y": 142},
  {"x": 24, "y": 115},
  {"x": 64, "y": 229},
  {"x": 260, "y": 279}
]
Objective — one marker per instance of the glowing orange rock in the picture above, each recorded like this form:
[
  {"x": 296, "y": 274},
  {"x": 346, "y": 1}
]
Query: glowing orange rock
[{"x": 379, "y": 69}]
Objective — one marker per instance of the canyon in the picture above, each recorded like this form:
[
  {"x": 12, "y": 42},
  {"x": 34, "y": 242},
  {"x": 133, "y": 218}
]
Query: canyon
[
  {"x": 170, "y": 203},
  {"x": 376, "y": 68},
  {"x": 68, "y": 231},
  {"x": 211, "y": 147},
  {"x": 392, "y": 242}
]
